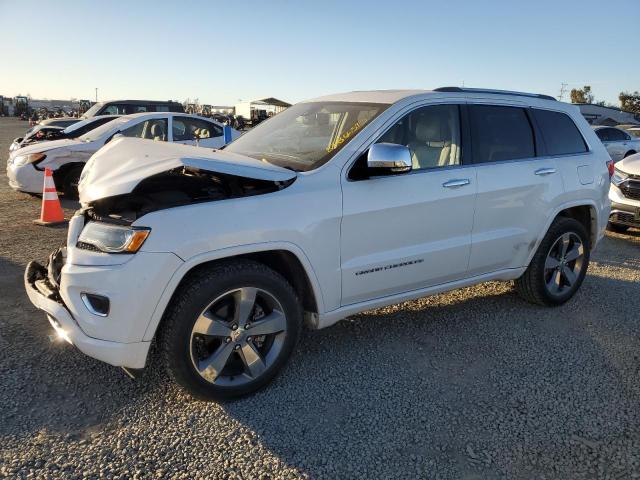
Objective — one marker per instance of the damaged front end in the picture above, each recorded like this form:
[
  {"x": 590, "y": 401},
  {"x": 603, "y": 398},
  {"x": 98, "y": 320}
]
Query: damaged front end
[
  {"x": 177, "y": 187},
  {"x": 129, "y": 178}
]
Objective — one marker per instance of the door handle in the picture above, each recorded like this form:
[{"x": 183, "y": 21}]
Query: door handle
[
  {"x": 456, "y": 183},
  {"x": 545, "y": 171}
]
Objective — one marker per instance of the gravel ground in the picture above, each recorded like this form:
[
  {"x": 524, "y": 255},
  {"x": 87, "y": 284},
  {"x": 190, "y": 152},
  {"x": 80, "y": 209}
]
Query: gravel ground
[{"x": 471, "y": 384}]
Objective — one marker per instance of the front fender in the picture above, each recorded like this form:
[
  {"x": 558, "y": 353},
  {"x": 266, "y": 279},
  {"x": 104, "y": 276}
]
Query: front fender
[{"x": 221, "y": 254}]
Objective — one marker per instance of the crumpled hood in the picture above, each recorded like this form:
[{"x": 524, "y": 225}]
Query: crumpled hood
[
  {"x": 45, "y": 146},
  {"x": 120, "y": 165},
  {"x": 631, "y": 164}
]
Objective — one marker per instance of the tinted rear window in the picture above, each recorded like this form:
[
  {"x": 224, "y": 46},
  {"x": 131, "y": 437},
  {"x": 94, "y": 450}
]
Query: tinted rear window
[
  {"x": 500, "y": 133},
  {"x": 561, "y": 136}
]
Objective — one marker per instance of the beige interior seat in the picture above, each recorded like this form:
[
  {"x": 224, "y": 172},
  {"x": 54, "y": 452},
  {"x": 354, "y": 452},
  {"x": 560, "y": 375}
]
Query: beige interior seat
[
  {"x": 431, "y": 146},
  {"x": 157, "y": 132}
]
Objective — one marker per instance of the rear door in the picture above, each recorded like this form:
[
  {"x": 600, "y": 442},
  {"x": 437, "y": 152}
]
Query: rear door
[{"x": 516, "y": 188}]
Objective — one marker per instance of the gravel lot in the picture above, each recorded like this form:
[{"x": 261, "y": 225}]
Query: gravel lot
[{"x": 471, "y": 384}]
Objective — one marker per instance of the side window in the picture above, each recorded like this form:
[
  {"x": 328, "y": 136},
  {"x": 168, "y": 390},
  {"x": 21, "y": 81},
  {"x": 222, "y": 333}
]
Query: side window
[
  {"x": 154, "y": 129},
  {"x": 186, "y": 129},
  {"x": 603, "y": 134},
  {"x": 616, "y": 135},
  {"x": 161, "y": 108},
  {"x": 431, "y": 133},
  {"x": 110, "y": 110},
  {"x": 132, "y": 108},
  {"x": 500, "y": 133},
  {"x": 560, "y": 134}
]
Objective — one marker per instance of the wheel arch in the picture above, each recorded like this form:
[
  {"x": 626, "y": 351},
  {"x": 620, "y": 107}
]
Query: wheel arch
[
  {"x": 61, "y": 172},
  {"x": 286, "y": 259},
  {"x": 584, "y": 212}
]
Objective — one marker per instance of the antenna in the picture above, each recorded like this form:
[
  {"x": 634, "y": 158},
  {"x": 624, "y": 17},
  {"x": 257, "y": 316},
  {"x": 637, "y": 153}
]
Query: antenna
[{"x": 563, "y": 90}]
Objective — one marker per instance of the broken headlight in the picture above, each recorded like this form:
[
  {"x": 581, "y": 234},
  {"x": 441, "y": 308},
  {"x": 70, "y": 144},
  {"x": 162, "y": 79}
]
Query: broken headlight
[{"x": 112, "y": 238}]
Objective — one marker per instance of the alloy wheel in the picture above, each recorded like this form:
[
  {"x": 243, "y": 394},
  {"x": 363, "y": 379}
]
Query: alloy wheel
[
  {"x": 238, "y": 336},
  {"x": 564, "y": 264}
]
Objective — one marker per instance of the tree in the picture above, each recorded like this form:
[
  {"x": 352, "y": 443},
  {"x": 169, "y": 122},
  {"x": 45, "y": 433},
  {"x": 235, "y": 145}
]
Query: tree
[
  {"x": 630, "y": 102},
  {"x": 581, "y": 95}
]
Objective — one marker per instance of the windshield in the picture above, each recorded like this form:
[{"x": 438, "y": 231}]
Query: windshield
[
  {"x": 306, "y": 135},
  {"x": 92, "y": 111},
  {"x": 102, "y": 130}
]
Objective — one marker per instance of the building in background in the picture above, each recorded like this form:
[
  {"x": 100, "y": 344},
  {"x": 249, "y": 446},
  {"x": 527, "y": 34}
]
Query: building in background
[
  {"x": 610, "y": 116},
  {"x": 256, "y": 111}
]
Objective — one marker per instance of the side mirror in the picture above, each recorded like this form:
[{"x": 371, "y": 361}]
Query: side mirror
[{"x": 391, "y": 157}]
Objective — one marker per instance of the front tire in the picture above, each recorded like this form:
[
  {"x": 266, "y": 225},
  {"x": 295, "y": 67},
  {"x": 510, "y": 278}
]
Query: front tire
[
  {"x": 70, "y": 183},
  {"x": 230, "y": 329},
  {"x": 558, "y": 266}
]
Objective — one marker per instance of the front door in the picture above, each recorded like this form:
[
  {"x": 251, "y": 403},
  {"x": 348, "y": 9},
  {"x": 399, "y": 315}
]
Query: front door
[{"x": 409, "y": 231}]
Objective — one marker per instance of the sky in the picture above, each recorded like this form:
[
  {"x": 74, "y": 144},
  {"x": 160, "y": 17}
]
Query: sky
[{"x": 223, "y": 52}]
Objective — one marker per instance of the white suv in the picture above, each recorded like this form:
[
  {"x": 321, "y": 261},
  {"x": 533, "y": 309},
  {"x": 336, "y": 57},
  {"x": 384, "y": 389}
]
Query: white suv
[{"x": 337, "y": 205}]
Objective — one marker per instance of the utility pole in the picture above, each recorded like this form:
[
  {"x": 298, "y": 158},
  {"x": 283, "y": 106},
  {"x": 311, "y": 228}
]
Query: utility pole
[
  {"x": 563, "y": 90},
  {"x": 96, "y": 94}
]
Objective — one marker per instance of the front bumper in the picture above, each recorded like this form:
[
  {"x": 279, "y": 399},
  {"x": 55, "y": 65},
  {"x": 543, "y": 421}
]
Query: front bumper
[
  {"x": 43, "y": 290},
  {"x": 25, "y": 178},
  {"x": 624, "y": 211}
]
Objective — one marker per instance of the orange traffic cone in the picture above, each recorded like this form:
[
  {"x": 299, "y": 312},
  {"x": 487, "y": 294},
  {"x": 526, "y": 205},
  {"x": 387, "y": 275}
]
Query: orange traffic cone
[{"x": 51, "y": 213}]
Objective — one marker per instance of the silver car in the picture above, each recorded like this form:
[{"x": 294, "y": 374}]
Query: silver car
[{"x": 618, "y": 143}]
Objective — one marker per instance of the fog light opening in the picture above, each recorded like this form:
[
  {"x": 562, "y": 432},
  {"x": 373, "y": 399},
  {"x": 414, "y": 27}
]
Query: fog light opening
[{"x": 96, "y": 304}]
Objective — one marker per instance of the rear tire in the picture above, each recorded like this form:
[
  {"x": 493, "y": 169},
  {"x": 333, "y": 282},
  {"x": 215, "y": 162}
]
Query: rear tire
[
  {"x": 558, "y": 266},
  {"x": 211, "y": 340},
  {"x": 629, "y": 153},
  {"x": 616, "y": 227}
]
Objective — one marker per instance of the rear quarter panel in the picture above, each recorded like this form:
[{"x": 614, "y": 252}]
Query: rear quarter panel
[{"x": 585, "y": 176}]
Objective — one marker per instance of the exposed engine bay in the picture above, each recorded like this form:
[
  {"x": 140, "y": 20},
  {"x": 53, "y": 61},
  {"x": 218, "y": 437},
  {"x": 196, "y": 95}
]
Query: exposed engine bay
[{"x": 177, "y": 187}]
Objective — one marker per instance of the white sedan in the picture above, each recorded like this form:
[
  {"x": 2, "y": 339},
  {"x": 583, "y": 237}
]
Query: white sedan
[
  {"x": 66, "y": 158},
  {"x": 618, "y": 143}
]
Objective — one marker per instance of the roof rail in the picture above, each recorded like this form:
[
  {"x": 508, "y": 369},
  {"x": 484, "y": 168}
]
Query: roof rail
[{"x": 499, "y": 92}]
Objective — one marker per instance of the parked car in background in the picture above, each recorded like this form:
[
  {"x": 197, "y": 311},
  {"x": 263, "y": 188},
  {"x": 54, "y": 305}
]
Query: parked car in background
[
  {"x": 42, "y": 133},
  {"x": 618, "y": 142},
  {"x": 117, "y": 107},
  {"x": 67, "y": 157},
  {"x": 625, "y": 194},
  {"x": 52, "y": 122},
  {"x": 334, "y": 206},
  {"x": 63, "y": 122},
  {"x": 127, "y": 107}
]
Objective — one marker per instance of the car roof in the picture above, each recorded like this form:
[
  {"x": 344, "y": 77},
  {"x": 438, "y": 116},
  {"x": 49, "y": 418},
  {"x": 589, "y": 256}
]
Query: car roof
[
  {"x": 393, "y": 96},
  {"x": 133, "y": 116},
  {"x": 134, "y": 102},
  {"x": 370, "y": 96}
]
